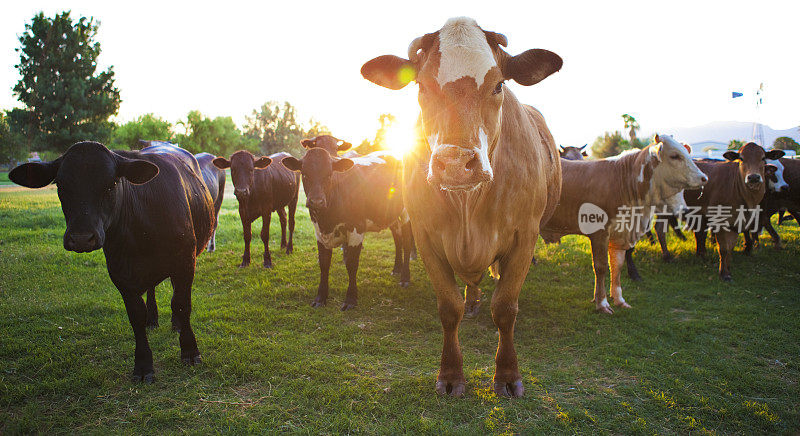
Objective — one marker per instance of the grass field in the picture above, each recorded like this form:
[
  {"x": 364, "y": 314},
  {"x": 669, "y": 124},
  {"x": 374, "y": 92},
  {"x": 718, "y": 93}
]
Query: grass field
[
  {"x": 4, "y": 179},
  {"x": 694, "y": 355}
]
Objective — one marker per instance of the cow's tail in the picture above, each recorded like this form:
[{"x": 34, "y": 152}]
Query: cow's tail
[{"x": 494, "y": 270}]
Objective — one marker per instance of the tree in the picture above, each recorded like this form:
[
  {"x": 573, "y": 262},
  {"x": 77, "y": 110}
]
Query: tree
[
  {"x": 610, "y": 144},
  {"x": 633, "y": 125},
  {"x": 379, "y": 142},
  {"x": 12, "y": 146},
  {"x": 219, "y": 136},
  {"x": 786, "y": 143},
  {"x": 275, "y": 128},
  {"x": 66, "y": 100},
  {"x": 146, "y": 127},
  {"x": 735, "y": 144}
]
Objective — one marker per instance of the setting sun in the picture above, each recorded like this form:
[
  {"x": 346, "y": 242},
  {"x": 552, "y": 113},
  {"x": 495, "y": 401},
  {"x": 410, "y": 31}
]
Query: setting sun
[{"x": 400, "y": 136}]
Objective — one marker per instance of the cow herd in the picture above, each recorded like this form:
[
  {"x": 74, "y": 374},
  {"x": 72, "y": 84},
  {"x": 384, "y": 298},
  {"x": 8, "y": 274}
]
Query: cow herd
[{"x": 483, "y": 181}]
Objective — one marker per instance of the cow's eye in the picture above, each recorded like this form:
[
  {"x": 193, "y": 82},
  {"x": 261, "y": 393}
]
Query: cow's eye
[
  {"x": 498, "y": 89},
  {"x": 676, "y": 157}
]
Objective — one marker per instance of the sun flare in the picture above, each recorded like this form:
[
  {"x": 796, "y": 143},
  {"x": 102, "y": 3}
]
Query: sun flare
[{"x": 400, "y": 137}]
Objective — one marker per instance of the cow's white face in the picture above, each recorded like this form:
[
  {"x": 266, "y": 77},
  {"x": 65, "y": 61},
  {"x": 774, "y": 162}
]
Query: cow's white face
[
  {"x": 778, "y": 184},
  {"x": 460, "y": 70},
  {"x": 676, "y": 170}
]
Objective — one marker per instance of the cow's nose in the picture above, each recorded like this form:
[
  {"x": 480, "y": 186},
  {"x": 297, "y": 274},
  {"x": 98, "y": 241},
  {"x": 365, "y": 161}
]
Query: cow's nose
[
  {"x": 241, "y": 192},
  {"x": 704, "y": 179},
  {"x": 753, "y": 178},
  {"x": 457, "y": 167},
  {"x": 81, "y": 242},
  {"x": 315, "y": 203}
]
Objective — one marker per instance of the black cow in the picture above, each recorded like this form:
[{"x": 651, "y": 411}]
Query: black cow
[
  {"x": 330, "y": 143},
  {"x": 261, "y": 189},
  {"x": 347, "y": 198},
  {"x": 150, "y": 213},
  {"x": 214, "y": 179}
]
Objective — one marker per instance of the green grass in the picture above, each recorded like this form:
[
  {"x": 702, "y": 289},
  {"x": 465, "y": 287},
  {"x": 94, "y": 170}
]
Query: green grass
[
  {"x": 694, "y": 355},
  {"x": 4, "y": 179}
]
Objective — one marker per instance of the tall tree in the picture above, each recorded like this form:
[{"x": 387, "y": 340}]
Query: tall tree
[
  {"x": 385, "y": 122},
  {"x": 218, "y": 136},
  {"x": 275, "y": 127},
  {"x": 786, "y": 143},
  {"x": 610, "y": 144},
  {"x": 146, "y": 127},
  {"x": 12, "y": 147},
  {"x": 632, "y": 125},
  {"x": 66, "y": 100}
]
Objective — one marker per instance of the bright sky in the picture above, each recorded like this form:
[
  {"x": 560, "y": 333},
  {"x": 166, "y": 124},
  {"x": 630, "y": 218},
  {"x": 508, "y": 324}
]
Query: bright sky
[{"x": 669, "y": 63}]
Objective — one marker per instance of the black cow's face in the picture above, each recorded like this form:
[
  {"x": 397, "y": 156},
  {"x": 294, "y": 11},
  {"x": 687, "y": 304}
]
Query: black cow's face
[
  {"x": 243, "y": 165},
  {"x": 317, "y": 168},
  {"x": 87, "y": 177}
]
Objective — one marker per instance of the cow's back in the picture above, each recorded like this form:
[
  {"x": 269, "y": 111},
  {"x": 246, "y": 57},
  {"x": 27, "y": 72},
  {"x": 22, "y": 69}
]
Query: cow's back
[
  {"x": 276, "y": 184},
  {"x": 549, "y": 153}
]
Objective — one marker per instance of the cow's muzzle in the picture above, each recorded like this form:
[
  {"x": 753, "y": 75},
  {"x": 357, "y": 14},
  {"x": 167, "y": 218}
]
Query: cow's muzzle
[
  {"x": 753, "y": 181},
  {"x": 458, "y": 168},
  {"x": 82, "y": 242}
]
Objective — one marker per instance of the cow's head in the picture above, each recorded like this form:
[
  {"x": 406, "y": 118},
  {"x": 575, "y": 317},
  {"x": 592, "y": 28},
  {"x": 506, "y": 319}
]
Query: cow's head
[
  {"x": 572, "y": 153},
  {"x": 88, "y": 180},
  {"x": 676, "y": 169},
  {"x": 752, "y": 162},
  {"x": 774, "y": 175},
  {"x": 327, "y": 142},
  {"x": 461, "y": 70},
  {"x": 317, "y": 168},
  {"x": 243, "y": 166}
]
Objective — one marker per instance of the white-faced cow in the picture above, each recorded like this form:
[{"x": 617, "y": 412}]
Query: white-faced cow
[
  {"x": 482, "y": 177},
  {"x": 151, "y": 214},
  {"x": 782, "y": 194},
  {"x": 347, "y": 198},
  {"x": 735, "y": 185},
  {"x": 612, "y": 201},
  {"x": 261, "y": 189}
]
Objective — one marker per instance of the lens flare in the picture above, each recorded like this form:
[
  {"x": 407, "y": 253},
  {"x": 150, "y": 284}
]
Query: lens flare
[{"x": 400, "y": 138}]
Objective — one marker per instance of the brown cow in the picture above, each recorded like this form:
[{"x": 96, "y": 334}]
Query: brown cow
[
  {"x": 733, "y": 185},
  {"x": 482, "y": 177},
  {"x": 572, "y": 153},
  {"x": 261, "y": 189},
  {"x": 596, "y": 194}
]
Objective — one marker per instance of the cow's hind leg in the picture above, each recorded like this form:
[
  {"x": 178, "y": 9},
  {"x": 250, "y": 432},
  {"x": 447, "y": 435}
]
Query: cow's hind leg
[
  {"x": 661, "y": 234},
  {"x": 600, "y": 263},
  {"x": 472, "y": 301},
  {"x": 247, "y": 235},
  {"x": 616, "y": 258},
  {"x": 143, "y": 356},
  {"x": 407, "y": 241},
  {"x": 182, "y": 301},
  {"x": 398, "y": 248},
  {"x": 351, "y": 258},
  {"x": 633, "y": 272},
  {"x": 265, "y": 220},
  {"x": 292, "y": 210},
  {"x": 282, "y": 218},
  {"x": 324, "y": 255},
  {"x": 152, "y": 308}
]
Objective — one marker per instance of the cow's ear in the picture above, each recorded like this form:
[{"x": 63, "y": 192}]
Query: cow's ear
[
  {"x": 308, "y": 143},
  {"x": 292, "y": 163},
  {"x": 655, "y": 150},
  {"x": 342, "y": 165},
  {"x": 344, "y": 146},
  {"x": 389, "y": 71},
  {"x": 221, "y": 163},
  {"x": 531, "y": 67},
  {"x": 137, "y": 171},
  {"x": 688, "y": 148},
  {"x": 656, "y": 139},
  {"x": 775, "y": 154},
  {"x": 35, "y": 174},
  {"x": 731, "y": 155},
  {"x": 262, "y": 162}
]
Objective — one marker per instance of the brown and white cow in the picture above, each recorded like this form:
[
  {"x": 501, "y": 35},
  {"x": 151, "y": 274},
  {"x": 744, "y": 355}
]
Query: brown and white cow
[
  {"x": 782, "y": 194},
  {"x": 612, "y": 201},
  {"x": 482, "y": 177},
  {"x": 738, "y": 183},
  {"x": 347, "y": 198}
]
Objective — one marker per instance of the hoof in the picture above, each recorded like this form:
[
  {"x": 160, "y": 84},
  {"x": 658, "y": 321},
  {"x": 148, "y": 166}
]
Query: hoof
[
  {"x": 726, "y": 278},
  {"x": 605, "y": 309},
  {"x": 623, "y": 305},
  {"x": 244, "y": 264},
  {"x": 347, "y": 306},
  {"x": 513, "y": 389},
  {"x": 472, "y": 308},
  {"x": 147, "y": 378},
  {"x": 268, "y": 265},
  {"x": 289, "y": 250},
  {"x": 283, "y": 244},
  {"x": 319, "y": 302},
  {"x": 191, "y": 361},
  {"x": 453, "y": 389},
  {"x": 405, "y": 284}
]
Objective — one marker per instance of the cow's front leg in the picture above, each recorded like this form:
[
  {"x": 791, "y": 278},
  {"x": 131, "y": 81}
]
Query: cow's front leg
[
  {"x": 182, "y": 297},
  {"x": 633, "y": 272},
  {"x": 247, "y": 235},
  {"x": 599, "y": 242},
  {"x": 450, "y": 302},
  {"x": 351, "y": 257},
  {"x": 143, "y": 356},
  {"x": 152, "y": 308},
  {"x": 616, "y": 259},
  {"x": 514, "y": 267},
  {"x": 776, "y": 238},
  {"x": 661, "y": 234},
  {"x": 725, "y": 243},
  {"x": 324, "y": 255},
  {"x": 397, "y": 237},
  {"x": 282, "y": 218},
  {"x": 265, "y": 220}
]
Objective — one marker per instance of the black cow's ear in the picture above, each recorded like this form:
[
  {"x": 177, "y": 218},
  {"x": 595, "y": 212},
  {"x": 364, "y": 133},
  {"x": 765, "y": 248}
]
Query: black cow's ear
[
  {"x": 344, "y": 146},
  {"x": 775, "y": 154},
  {"x": 731, "y": 155},
  {"x": 292, "y": 163},
  {"x": 308, "y": 143},
  {"x": 35, "y": 174},
  {"x": 137, "y": 171},
  {"x": 262, "y": 162},
  {"x": 531, "y": 67},
  {"x": 389, "y": 71},
  {"x": 342, "y": 165},
  {"x": 221, "y": 163}
]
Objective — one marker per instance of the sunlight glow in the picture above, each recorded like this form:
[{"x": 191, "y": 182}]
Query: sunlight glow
[{"x": 400, "y": 137}]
